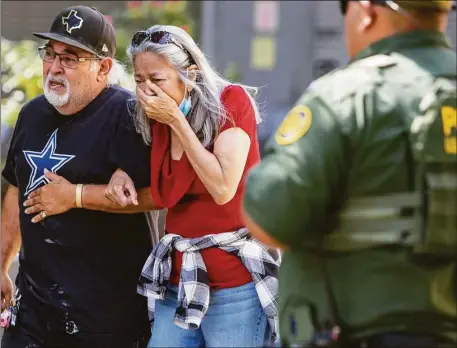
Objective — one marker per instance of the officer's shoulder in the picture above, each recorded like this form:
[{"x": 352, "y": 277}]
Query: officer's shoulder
[{"x": 345, "y": 82}]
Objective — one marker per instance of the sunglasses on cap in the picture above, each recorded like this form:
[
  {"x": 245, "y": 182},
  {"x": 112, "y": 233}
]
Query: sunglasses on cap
[{"x": 158, "y": 37}]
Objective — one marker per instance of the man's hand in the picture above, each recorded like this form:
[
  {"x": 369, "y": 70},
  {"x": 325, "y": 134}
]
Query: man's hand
[
  {"x": 57, "y": 197},
  {"x": 121, "y": 189},
  {"x": 7, "y": 290}
]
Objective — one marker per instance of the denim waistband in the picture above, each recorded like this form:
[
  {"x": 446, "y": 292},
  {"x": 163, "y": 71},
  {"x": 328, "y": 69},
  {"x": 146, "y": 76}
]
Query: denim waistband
[{"x": 241, "y": 292}]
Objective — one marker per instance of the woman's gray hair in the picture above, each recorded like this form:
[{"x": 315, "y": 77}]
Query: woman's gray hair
[{"x": 208, "y": 113}]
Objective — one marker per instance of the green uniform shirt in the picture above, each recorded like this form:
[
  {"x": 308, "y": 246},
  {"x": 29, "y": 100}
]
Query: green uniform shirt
[{"x": 346, "y": 138}]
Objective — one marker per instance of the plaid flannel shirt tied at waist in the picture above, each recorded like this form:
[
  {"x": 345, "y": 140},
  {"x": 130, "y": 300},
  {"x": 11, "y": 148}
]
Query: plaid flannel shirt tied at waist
[{"x": 193, "y": 289}]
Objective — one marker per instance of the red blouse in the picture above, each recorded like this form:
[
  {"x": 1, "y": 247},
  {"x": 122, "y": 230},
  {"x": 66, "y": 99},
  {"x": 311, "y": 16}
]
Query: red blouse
[{"x": 192, "y": 211}]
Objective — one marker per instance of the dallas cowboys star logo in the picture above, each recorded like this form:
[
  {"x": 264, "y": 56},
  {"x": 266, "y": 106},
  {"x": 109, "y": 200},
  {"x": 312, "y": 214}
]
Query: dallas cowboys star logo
[{"x": 46, "y": 159}]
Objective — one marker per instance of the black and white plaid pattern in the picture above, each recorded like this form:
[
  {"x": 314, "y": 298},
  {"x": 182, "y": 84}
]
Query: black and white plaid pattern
[{"x": 194, "y": 291}]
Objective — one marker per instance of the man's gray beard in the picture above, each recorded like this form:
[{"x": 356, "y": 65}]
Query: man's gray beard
[{"x": 52, "y": 96}]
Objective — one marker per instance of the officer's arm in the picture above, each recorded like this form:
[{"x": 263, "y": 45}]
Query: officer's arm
[{"x": 300, "y": 182}]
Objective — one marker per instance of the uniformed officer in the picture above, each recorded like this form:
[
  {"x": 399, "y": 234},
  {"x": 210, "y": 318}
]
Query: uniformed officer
[{"x": 359, "y": 186}]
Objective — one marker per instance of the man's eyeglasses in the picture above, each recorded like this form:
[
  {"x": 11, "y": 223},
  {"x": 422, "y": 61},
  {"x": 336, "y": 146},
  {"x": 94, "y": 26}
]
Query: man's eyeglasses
[
  {"x": 66, "y": 60},
  {"x": 158, "y": 37}
]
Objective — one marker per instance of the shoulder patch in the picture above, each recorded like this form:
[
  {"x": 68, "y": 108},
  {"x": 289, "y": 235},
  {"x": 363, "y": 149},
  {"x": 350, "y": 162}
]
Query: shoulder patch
[{"x": 294, "y": 126}]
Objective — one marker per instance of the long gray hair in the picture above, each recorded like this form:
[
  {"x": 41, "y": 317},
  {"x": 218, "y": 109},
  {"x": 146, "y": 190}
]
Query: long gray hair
[{"x": 208, "y": 113}]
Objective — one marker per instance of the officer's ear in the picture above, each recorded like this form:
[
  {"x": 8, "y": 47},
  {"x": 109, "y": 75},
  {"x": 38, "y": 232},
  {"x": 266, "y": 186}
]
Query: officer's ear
[
  {"x": 367, "y": 14},
  {"x": 106, "y": 64}
]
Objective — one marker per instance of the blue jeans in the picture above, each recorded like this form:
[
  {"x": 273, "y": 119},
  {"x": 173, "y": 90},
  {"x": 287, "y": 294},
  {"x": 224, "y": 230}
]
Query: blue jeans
[{"x": 235, "y": 318}]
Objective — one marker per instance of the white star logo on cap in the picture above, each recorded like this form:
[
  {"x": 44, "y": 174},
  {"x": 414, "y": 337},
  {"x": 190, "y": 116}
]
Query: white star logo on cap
[
  {"x": 72, "y": 21},
  {"x": 104, "y": 48}
]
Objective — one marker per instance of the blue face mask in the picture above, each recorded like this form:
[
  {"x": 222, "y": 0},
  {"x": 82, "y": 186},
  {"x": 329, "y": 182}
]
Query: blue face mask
[{"x": 186, "y": 106}]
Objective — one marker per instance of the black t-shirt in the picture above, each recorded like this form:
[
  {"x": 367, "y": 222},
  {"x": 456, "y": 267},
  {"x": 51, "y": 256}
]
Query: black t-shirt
[{"x": 83, "y": 262}]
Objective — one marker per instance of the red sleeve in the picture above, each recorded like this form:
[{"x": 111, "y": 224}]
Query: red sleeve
[{"x": 240, "y": 112}]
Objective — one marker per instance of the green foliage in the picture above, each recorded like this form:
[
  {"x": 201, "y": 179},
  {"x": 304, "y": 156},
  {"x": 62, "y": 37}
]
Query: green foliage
[
  {"x": 140, "y": 15},
  {"x": 21, "y": 77}
]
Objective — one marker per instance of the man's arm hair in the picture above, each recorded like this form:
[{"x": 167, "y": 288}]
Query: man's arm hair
[
  {"x": 93, "y": 198},
  {"x": 11, "y": 233}
]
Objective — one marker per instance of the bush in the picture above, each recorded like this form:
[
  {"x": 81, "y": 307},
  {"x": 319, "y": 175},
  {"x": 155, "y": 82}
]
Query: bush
[{"x": 21, "y": 77}]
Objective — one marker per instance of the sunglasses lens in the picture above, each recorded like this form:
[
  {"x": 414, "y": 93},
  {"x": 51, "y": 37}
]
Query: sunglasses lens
[
  {"x": 161, "y": 37},
  {"x": 139, "y": 37}
]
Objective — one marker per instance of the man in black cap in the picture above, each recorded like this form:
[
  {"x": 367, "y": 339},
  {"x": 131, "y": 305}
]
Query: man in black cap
[{"x": 76, "y": 285}]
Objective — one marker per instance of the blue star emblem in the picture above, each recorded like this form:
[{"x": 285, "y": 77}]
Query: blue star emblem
[{"x": 46, "y": 159}]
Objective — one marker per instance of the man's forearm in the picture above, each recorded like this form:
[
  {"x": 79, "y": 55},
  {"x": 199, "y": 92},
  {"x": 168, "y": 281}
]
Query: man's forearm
[
  {"x": 93, "y": 198},
  {"x": 11, "y": 233}
]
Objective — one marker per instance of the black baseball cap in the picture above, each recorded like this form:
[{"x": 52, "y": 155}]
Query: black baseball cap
[{"x": 83, "y": 27}]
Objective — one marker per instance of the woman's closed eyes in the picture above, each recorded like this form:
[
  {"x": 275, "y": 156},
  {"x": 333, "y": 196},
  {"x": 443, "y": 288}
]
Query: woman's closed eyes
[{"x": 154, "y": 81}]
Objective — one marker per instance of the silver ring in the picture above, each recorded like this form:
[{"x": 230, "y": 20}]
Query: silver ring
[{"x": 43, "y": 215}]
